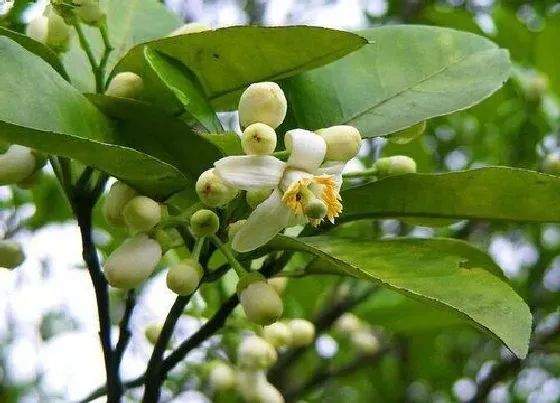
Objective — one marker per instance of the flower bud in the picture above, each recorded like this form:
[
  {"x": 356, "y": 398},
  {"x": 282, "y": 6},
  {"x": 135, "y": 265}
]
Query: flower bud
[
  {"x": 221, "y": 377},
  {"x": 204, "y": 223},
  {"x": 255, "y": 353},
  {"x": 315, "y": 209},
  {"x": 261, "y": 303},
  {"x": 343, "y": 142},
  {"x": 213, "y": 191},
  {"x": 142, "y": 214},
  {"x": 262, "y": 103},
  {"x": 191, "y": 28},
  {"x": 234, "y": 228},
  {"x": 152, "y": 332},
  {"x": 50, "y": 30},
  {"x": 16, "y": 164},
  {"x": 125, "y": 85},
  {"x": 396, "y": 165},
  {"x": 347, "y": 324},
  {"x": 89, "y": 12},
  {"x": 118, "y": 197},
  {"x": 31, "y": 180},
  {"x": 11, "y": 254},
  {"x": 256, "y": 197},
  {"x": 551, "y": 164},
  {"x": 303, "y": 332},
  {"x": 278, "y": 334},
  {"x": 133, "y": 262},
  {"x": 258, "y": 139},
  {"x": 278, "y": 283},
  {"x": 184, "y": 277},
  {"x": 365, "y": 341}
]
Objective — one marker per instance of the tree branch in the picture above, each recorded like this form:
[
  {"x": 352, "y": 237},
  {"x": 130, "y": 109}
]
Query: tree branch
[{"x": 124, "y": 333}]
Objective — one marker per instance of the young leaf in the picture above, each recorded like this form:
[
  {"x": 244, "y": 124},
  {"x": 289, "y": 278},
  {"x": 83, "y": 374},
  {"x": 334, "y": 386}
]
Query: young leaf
[
  {"x": 227, "y": 60},
  {"x": 409, "y": 74},
  {"x": 444, "y": 273},
  {"x": 491, "y": 193}
]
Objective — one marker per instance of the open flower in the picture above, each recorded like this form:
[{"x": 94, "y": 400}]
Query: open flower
[{"x": 303, "y": 189}]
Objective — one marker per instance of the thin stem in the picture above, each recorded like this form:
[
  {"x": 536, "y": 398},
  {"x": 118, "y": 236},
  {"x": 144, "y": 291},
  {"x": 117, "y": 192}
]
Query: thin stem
[
  {"x": 102, "y": 391},
  {"x": 362, "y": 174},
  {"x": 84, "y": 44},
  {"x": 124, "y": 332},
  {"x": 108, "y": 48},
  {"x": 239, "y": 269}
]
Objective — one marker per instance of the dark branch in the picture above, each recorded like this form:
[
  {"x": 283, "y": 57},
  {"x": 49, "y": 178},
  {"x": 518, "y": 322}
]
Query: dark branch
[{"x": 124, "y": 332}]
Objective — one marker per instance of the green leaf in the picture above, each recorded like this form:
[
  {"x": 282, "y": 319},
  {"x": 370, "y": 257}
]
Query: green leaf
[
  {"x": 186, "y": 88},
  {"x": 444, "y": 273},
  {"x": 227, "y": 60},
  {"x": 492, "y": 193},
  {"x": 42, "y": 111},
  {"x": 129, "y": 23},
  {"x": 410, "y": 74},
  {"x": 547, "y": 54}
]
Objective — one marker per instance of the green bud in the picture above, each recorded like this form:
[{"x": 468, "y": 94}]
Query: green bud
[
  {"x": 133, "y": 262},
  {"x": 551, "y": 164},
  {"x": 213, "y": 191},
  {"x": 11, "y": 254},
  {"x": 343, "y": 142},
  {"x": 395, "y": 165},
  {"x": 16, "y": 164},
  {"x": 278, "y": 334},
  {"x": 255, "y": 353},
  {"x": 89, "y": 12},
  {"x": 221, "y": 377},
  {"x": 204, "y": 223},
  {"x": 50, "y": 30},
  {"x": 278, "y": 283},
  {"x": 142, "y": 214},
  {"x": 256, "y": 197},
  {"x": 315, "y": 209},
  {"x": 365, "y": 341},
  {"x": 234, "y": 228},
  {"x": 118, "y": 197},
  {"x": 184, "y": 277},
  {"x": 191, "y": 28},
  {"x": 263, "y": 102},
  {"x": 261, "y": 303},
  {"x": 125, "y": 85},
  {"x": 258, "y": 139},
  {"x": 152, "y": 332},
  {"x": 303, "y": 332}
]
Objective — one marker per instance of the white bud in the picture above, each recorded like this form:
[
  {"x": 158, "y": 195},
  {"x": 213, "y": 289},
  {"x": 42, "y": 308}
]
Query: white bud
[
  {"x": 343, "y": 142},
  {"x": 190, "y": 28},
  {"x": 365, "y": 341},
  {"x": 278, "y": 334},
  {"x": 11, "y": 254},
  {"x": 133, "y": 262},
  {"x": 213, "y": 191},
  {"x": 347, "y": 324},
  {"x": 258, "y": 139},
  {"x": 263, "y": 102},
  {"x": 50, "y": 30},
  {"x": 89, "y": 12},
  {"x": 267, "y": 393},
  {"x": 303, "y": 332},
  {"x": 255, "y": 353},
  {"x": 221, "y": 377},
  {"x": 278, "y": 283},
  {"x": 152, "y": 332},
  {"x": 395, "y": 165},
  {"x": 261, "y": 303},
  {"x": 142, "y": 214},
  {"x": 125, "y": 85},
  {"x": 16, "y": 164},
  {"x": 119, "y": 195},
  {"x": 256, "y": 197},
  {"x": 234, "y": 228},
  {"x": 184, "y": 277}
]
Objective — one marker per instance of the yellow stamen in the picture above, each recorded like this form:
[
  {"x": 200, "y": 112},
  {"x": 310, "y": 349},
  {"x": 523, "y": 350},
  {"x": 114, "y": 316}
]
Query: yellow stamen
[{"x": 330, "y": 196}]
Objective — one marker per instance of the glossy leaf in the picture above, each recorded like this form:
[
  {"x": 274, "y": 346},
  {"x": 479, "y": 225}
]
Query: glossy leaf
[
  {"x": 444, "y": 273},
  {"x": 492, "y": 193},
  {"x": 227, "y": 60},
  {"x": 43, "y": 111},
  {"x": 410, "y": 74}
]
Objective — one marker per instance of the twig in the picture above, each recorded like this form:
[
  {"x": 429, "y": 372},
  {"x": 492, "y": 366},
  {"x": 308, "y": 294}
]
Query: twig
[
  {"x": 124, "y": 332},
  {"x": 84, "y": 44},
  {"x": 108, "y": 48},
  {"x": 102, "y": 391}
]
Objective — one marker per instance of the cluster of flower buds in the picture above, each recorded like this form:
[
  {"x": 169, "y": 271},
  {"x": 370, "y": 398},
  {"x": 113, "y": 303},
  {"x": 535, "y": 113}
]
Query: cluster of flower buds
[
  {"x": 20, "y": 165},
  {"x": 292, "y": 333},
  {"x": 11, "y": 254},
  {"x": 50, "y": 29},
  {"x": 360, "y": 334}
]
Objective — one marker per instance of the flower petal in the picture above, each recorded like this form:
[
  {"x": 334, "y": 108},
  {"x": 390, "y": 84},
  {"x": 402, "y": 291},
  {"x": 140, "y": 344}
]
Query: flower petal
[
  {"x": 335, "y": 169},
  {"x": 307, "y": 149},
  {"x": 292, "y": 175},
  {"x": 269, "y": 218},
  {"x": 250, "y": 172}
]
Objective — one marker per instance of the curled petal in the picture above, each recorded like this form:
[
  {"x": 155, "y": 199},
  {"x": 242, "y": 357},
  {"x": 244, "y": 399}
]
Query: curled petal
[
  {"x": 307, "y": 149},
  {"x": 250, "y": 172}
]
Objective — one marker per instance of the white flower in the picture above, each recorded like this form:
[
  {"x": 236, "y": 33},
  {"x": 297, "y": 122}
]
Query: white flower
[{"x": 303, "y": 188}]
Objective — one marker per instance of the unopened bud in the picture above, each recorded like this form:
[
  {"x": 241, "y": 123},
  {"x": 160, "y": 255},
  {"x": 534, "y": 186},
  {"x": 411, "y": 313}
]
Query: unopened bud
[
  {"x": 213, "y": 191},
  {"x": 184, "y": 277},
  {"x": 125, "y": 85},
  {"x": 256, "y": 353},
  {"x": 11, "y": 254},
  {"x": 190, "y": 28},
  {"x": 118, "y": 197},
  {"x": 278, "y": 334},
  {"x": 31, "y": 180},
  {"x": 303, "y": 332},
  {"x": 278, "y": 283},
  {"x": 347, "y": 324},
  {"x": 152, "y": 332},
  {"x": 258, "y": 139},
  {"x": 204, "y": 223},
  {"x": 89, "y": 12},
  {"x": 551, "y": 164},
  {"x": 256, "y": 197},
  {"x": 261, "y": 303},
  {"x": 16, "y": 164},
  {"x": 133, "y": 262},
  {"x": 365, "y": 341},
  {"x": 263, "y": 102},
  {"x": 50, "y": 30},
  {"x": 234, "y": 228},
  {"x": 142, "y": 214},
  {"x": 221, "y": 377},
  {"x": 315, "y": 209},
  {"x": 396, "y": 165},
  {"x": 343, "y": 142}
]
